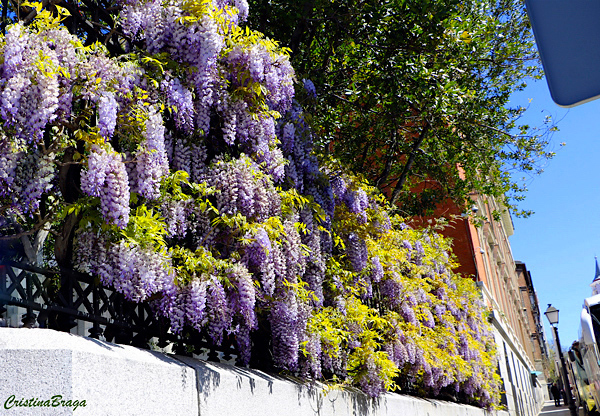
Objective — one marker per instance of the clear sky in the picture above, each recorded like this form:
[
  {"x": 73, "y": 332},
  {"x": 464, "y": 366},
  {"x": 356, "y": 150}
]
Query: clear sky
[{"x": 559, "y": 242}]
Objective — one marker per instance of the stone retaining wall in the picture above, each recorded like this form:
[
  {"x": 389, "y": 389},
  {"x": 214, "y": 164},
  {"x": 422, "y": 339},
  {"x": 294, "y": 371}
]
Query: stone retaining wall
[{"x": 45, "y": 372}]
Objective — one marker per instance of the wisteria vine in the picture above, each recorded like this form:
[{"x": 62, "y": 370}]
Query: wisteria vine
[{"x": 189, "y": 166}]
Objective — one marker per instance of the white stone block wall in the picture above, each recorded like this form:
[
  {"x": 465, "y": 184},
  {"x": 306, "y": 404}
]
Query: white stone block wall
[
  {"x": 117, "y": 380},
  {"x": 225, "y": 390},
  {"x": 113, "y": 380},
  {"x": 524, "y": 398}
]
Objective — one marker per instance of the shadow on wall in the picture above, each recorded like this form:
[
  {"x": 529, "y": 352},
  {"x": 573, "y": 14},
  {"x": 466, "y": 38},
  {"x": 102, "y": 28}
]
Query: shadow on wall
[
  {"x": 313, "y": 397},
  {"x": 348, "y": 397}
]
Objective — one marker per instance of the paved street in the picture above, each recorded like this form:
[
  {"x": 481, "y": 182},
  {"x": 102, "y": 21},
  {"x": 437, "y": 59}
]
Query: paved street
[{"x": 550, "y": 410}]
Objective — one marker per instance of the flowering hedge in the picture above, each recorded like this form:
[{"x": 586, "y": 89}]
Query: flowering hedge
[{"x": 187, "y": 167}]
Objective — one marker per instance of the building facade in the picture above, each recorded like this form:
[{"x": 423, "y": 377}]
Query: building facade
[{"x": 538, "y": 350}]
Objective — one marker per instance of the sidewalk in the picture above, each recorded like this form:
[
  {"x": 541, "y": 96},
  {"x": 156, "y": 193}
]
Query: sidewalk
[{"x": 550, "y": 410}]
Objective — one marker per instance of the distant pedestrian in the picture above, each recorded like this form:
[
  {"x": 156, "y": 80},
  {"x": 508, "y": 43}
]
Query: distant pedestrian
[{"x": 555, "y": 394}]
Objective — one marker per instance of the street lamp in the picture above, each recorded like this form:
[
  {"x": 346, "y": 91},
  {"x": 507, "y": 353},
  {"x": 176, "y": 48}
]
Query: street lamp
[{"x": 552, "y": 315}]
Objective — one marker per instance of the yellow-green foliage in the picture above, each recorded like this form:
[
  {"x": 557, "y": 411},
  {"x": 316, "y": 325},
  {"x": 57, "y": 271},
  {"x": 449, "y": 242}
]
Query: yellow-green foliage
[{"x": 456, "y": 353}]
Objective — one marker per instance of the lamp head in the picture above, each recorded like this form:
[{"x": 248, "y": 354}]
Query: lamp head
[{"x": 552, "y": 314}]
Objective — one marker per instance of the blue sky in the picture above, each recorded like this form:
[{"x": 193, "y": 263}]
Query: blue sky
[{"x": 559, "y": 242}]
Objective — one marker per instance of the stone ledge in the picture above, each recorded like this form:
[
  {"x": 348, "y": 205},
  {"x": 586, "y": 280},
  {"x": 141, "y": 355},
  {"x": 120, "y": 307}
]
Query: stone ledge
[{"x": 123, "y": 380}]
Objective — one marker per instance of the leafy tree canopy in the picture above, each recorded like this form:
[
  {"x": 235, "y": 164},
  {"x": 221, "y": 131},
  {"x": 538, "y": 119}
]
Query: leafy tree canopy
[{"x": 415, "y": 93}]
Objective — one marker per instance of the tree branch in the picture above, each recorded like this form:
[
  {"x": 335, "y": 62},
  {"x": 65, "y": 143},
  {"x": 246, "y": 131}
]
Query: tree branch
[
  {"x": 388, "y": 163},
  {"x": 301, "y": 27},
  {"x": 409, "y": 163}
]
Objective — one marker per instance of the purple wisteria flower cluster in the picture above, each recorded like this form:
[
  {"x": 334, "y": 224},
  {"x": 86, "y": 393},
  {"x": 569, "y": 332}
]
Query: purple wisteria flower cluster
[
  {"x": 106, "y": 177},
  {"x": 37, "y": 78}
]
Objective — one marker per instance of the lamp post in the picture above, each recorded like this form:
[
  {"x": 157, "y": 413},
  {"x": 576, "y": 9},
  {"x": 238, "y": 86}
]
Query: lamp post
[{"x": 552, "y": 315}]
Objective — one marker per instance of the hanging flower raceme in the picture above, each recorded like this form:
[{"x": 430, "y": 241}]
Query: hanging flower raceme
[{"x": 106, "y": 178}]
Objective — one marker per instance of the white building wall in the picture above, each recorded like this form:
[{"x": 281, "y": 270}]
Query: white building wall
[{"x": 524, "y": 397}]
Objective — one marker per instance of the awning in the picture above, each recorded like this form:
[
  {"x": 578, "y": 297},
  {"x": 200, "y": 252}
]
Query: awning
[{"x": 568, "y": 39}]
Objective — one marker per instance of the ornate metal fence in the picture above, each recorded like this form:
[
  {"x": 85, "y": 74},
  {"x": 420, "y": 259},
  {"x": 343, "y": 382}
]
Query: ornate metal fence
[{"x": 59, "y": 299}]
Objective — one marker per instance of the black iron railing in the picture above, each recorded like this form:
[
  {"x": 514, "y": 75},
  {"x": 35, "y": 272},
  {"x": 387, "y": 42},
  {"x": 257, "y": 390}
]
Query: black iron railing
[{"x": 59, "y": 299}]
